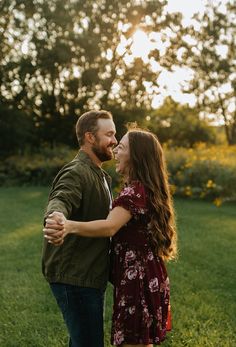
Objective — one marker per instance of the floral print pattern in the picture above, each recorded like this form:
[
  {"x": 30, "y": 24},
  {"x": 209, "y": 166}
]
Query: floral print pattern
[{"x": 141, "y": 284}]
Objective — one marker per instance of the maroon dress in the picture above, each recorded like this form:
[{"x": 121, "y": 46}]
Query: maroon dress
[{"x": 141, "y": 284}]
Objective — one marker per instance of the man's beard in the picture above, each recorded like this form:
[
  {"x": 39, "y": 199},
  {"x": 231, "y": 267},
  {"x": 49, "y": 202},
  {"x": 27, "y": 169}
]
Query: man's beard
[{"x": 101, "y": 153}]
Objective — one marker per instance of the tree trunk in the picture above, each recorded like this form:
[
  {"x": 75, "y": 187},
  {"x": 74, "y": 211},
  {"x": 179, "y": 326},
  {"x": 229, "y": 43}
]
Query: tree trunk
[{"x": 232, "y": 135}]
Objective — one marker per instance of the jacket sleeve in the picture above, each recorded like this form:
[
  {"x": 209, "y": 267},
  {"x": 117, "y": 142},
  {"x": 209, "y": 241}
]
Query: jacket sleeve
[{"x": 66, "y": 194}]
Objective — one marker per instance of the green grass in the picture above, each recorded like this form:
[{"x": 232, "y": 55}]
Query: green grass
[{"x": 203, "y": 281}]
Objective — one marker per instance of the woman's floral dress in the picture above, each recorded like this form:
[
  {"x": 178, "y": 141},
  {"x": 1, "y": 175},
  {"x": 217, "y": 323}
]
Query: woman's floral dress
[{"x": 141, "y": 284}]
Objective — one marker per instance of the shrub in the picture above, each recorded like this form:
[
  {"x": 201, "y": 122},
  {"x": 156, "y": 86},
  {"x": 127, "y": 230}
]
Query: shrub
[
  {"x": 41, "y": 168},
  {"x": 203, "y": 172},
  {"x": 37, "y": 169},
  {"x": 200, "y": 172}
]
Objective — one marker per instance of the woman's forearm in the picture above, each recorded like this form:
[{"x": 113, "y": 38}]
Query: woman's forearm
[
  {"x": 98, "y": 228},
  {"x": 102, "y": 227},
  {"x": 57, "y": 226}
]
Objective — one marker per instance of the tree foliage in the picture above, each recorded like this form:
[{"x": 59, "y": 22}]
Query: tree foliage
[
  {"x": 62, "y": 57},
  {"x": 210, "y": 51},
  {"x": 16, "y": 130},
  {"x": 179, "y": 125}
]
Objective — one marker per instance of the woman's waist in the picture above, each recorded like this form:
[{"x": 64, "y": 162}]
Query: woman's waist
[{"x": 137, "y": 238}]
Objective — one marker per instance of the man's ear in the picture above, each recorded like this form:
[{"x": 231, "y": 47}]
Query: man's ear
[{"x": 89, "y": 137}]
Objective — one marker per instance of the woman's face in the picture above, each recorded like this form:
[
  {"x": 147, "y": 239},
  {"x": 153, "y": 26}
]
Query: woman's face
[{"x": 122, "y": 156}]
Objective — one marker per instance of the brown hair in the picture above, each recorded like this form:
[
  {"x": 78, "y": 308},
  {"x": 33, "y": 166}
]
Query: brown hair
[
  {"x": 147, "y": 165},
  {"x": 87, "y": 122}
]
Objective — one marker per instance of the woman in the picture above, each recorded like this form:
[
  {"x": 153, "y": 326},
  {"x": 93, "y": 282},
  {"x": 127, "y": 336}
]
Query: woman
[{"x": 144, "y": 235}]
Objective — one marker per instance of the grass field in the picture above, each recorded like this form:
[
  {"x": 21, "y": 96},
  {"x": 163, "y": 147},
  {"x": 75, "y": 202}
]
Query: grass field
[{"x": 203, "y": 280}]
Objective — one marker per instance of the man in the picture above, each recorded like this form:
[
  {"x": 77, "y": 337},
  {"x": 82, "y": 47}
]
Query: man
[{"x": 77, "y": 270}]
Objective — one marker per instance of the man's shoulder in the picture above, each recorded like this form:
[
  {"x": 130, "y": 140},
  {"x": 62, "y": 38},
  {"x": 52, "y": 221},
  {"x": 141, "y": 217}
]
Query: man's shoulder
[
  {"x": 81, "y": 166},
  {"x": 75, "y": 164},
  {"x": 75, "y": 167}
]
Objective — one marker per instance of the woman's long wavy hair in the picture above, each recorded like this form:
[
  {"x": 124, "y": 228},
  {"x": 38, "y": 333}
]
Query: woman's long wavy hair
[{"x": 147, "y": 165}]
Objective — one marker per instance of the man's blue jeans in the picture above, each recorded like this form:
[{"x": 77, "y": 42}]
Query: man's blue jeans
[{"x": 82, "y": 310}]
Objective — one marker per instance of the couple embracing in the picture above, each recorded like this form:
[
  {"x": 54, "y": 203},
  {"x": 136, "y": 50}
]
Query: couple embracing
[{"x": 89, "y": 238}]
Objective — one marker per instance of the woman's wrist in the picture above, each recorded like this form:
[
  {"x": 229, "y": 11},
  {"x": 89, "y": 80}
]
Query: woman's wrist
[{"x": 70, "y": 227}]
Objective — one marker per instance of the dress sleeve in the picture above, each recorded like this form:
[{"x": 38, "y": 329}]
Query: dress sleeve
[{"x": 132, "y": 198}]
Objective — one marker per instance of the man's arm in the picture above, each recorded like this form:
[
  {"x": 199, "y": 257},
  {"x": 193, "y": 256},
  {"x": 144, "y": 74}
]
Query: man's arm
[{"x": 65, "y": 195}]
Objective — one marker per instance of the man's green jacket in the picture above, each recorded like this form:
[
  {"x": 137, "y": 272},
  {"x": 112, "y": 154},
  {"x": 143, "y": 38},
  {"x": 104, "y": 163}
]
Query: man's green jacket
[{"x": 79, "y": 192}]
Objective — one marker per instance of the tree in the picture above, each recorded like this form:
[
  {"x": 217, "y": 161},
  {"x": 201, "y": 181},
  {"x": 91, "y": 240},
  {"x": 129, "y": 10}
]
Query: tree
[
  {"x": 210, "y": 51},
  {"x": 63, "y": 57},
  {"x": 16, "y": 131},
  {"x": 179, "y": 125}
]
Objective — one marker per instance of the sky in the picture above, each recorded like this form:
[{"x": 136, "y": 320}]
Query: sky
[{"x": 187, "y": 7}]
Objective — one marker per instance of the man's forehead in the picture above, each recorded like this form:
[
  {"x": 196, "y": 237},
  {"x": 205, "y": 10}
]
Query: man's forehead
[{"x": 106, "y": 124}]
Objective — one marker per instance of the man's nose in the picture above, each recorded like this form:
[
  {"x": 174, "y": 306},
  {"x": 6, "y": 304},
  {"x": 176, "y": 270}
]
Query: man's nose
[{"x": 114, "y": 140}]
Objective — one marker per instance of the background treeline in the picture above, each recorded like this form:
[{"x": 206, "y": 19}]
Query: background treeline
[{"x": 61, "y": 58}]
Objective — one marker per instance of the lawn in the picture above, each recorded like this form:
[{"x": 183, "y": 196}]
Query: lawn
[{"x": 203, "y": 281}]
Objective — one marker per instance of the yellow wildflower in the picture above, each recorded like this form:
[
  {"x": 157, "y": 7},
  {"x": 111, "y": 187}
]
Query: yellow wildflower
[
  {"x": 218, "y": 202},
  {"x": 173, "y": 189},
  {"x": 188, "y": 191},
  {"x": 188, "y": 165},
  {"x": 210, "y": 184}
]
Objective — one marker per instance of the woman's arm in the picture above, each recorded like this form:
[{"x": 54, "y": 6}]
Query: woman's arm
[{"x": 57, "y": 226}]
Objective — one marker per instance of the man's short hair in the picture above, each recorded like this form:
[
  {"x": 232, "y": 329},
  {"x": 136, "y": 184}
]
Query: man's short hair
[{"x": 88, "y": 122}]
